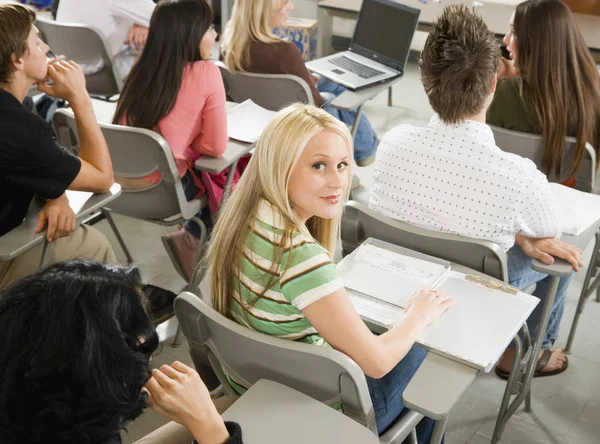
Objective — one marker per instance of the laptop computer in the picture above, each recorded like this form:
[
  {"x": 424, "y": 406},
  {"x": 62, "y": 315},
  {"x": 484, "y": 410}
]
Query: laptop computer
[{"x": 379, "y": 49}]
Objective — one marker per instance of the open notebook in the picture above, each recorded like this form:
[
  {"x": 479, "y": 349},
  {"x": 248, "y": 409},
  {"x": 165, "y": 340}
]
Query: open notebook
[
  {"x": 580, "y": 210},
  {"x": 247, "y": 121},
  {"x": 475, "y": 330}
]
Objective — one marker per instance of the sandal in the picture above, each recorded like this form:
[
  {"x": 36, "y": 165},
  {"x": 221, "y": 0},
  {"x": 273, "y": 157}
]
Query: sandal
[{"x": 542, "y": 362}]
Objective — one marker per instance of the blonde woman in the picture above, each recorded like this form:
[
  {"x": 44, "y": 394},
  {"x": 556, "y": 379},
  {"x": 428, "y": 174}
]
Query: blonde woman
[
  {"x": 270, "y": 257},
  {"x": 248, "y": 44}
]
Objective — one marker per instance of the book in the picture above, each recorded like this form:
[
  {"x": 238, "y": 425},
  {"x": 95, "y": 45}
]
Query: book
[
  {"x": 247, "y": 121},
  {"x": 475, "y": 331}
]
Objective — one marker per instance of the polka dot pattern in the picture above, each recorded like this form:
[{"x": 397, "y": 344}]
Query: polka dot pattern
[{"x": 453, "y": 178}]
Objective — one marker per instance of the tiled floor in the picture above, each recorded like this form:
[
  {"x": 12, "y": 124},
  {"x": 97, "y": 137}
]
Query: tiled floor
[{"x": 566, "y": 407}]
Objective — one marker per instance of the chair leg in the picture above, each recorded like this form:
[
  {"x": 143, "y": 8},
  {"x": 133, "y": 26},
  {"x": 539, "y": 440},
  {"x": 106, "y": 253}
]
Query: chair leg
[
  {"x": 45, "y": 254},
  {"x": 390, "y": 96},
  {"x": 115, "y": 230},
  {"x": 177, "y": 340},
  {"x": 585, "y": 290}
]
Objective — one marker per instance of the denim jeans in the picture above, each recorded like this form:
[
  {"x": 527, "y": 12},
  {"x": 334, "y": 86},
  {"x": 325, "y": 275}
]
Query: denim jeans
[
  {"x": 365, "y": 141},
  {"x": 191, "y": 191},
  {"x": 386, "y": 394},
  {"x": 521, "y": 275}
]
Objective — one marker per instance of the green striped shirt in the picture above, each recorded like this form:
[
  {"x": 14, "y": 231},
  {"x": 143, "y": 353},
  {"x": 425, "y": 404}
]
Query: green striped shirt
[{"x": 303, "y": 275}]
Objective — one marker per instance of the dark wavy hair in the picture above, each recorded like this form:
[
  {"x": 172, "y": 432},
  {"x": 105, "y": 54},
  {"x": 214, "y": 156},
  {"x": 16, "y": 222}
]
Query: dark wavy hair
[
  {"x": 74, "y": 355},
  {"x": 150, "y": 91}
]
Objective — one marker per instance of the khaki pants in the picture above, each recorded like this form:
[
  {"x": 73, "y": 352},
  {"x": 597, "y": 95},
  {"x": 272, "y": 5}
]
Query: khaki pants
[
  {"x": 173, "y": 433},
  {"x": 85, "y": 242}
]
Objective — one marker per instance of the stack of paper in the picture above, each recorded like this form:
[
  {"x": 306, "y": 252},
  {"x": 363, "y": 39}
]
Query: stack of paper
[
  {"x": 476, "y": 330},
  {"x": 580, "y": 210},
  {"x": 247, "y": 121}
]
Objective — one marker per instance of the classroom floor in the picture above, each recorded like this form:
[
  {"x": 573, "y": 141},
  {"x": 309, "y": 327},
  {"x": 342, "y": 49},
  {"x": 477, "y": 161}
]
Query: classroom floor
[{"x": 566, "y": 408}]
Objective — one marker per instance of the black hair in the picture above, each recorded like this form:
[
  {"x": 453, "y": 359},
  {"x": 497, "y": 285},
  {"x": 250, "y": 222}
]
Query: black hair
[
  {"x": 152, "y": 86},
  {"x": 75, "y": 354}
]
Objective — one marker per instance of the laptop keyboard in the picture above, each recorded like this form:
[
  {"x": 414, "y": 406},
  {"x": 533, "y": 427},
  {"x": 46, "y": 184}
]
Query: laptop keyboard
[{"x": 356, "y": 68}]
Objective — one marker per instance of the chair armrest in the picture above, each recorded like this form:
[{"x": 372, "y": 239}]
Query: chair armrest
[
  {"x": 559, "y": 268},
  {"x": 437, "y": 385},
  {"x": 232, "y": 154}
]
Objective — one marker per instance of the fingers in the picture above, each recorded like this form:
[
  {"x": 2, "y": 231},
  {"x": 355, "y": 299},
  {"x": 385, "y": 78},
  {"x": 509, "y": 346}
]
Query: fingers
[
  {"x": 171, "y": 372},
  {"x": 41, "y": 222},
  {"x": 181, "y": 367},
  {"x": 153, "y": 387},
  {"x": 52, "y": 225}
]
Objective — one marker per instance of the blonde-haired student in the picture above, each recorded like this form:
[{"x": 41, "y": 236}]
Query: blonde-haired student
[
  {"x": 248, "y": 44},
  {"x": 270, "y": 257}
]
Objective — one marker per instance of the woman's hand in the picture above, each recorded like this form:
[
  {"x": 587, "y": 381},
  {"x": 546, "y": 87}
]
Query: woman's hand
[
  {"x": 427, "y": 306},
  {"x": 177, "y": 392}
]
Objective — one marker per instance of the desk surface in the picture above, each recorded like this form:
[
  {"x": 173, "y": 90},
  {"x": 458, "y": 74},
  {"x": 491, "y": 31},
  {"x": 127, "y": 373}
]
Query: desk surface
[
  {"x": 496, "y": 14},
  {"x": 24, "y": 237},
  {"x": 271, "y": 413}
]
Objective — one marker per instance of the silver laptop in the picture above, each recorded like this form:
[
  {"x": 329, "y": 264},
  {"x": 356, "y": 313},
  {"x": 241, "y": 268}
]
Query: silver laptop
[{"x": 379, "y": 49}]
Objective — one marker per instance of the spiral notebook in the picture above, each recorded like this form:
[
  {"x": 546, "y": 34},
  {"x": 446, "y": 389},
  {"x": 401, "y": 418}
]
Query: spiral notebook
[{"x": 475, "y": 330}]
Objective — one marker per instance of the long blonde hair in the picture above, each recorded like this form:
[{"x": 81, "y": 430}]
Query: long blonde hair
[
  {"x": 267, "y": 178},
  {"x": 249, "y": 23}
]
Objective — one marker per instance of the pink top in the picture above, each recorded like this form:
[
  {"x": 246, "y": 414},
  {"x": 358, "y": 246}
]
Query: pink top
[{"x": 197, "y": 124}]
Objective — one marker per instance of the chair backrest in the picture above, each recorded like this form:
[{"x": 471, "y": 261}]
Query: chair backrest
[
  {"x": 360, "y": 222},
  {"x": 248, "y": 356},
  {"x": 530, "y": 146},
  {"x": 87, "y": 46},
  {"x": 271, "y": 91},
  {"x": 136, "y": 153}
]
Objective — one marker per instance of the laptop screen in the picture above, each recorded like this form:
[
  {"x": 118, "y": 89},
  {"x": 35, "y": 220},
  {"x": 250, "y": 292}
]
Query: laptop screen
[{"x": 385, "y": 28}]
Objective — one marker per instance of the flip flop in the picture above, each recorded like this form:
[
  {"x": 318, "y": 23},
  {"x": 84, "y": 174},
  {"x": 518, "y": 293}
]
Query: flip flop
[{"x": 542, "y": 362}]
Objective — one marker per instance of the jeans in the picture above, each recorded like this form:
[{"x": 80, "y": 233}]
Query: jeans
[
  {"x": 365, "y": 141},
  {"x": 191, "y": 191},
  {"x": 521, "y": 275},
  {"x": 386, "y": 394}
]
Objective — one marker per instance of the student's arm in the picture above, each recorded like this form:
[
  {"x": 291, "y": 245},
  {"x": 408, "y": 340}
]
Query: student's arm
[
  {"x": 96, "y": 167},
  {"x": 291, "y": 62},
  {"x": 213, "y": 139},
  {"x": 177, "y": 392},
  {"x": 336, "y": 320}
]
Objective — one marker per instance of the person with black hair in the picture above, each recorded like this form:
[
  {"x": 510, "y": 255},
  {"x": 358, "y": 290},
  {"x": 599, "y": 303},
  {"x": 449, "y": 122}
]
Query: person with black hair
[{"x": 75, "y": 361}]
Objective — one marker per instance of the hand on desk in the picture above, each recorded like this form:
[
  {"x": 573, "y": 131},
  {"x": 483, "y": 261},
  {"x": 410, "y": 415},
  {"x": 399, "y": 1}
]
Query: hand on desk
[
  {"x": 428, "y": 305},
  {"x": 544, "y": 249},
  {"x": 177, "y": 392},
  {"x": 59, "y": 217}
]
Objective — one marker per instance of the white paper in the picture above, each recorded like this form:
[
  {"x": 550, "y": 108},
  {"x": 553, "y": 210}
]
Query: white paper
[
  {"x": 412, "y": 268},
  {"x": 580, "y": 210},
  {"x": 375, "y": 311},
  {"x": 247, "y": 121},
  {"x": 77, "y": 199},
  {"x": 386, "y": 275}
]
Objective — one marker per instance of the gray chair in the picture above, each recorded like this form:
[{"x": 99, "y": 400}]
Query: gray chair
[
  {"x": 530, "y": 146},
  {"x": 271, "y": 91},
  {"x": 87, "y": 46},
  {"x": 136, "y": 153},
  {"x": 360, "y": 222},
  {"x": 248, "y": 356}
]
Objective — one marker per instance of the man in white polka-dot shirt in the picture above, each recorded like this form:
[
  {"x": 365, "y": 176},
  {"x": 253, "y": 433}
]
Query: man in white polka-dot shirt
[{"x": 450, "y": 175}]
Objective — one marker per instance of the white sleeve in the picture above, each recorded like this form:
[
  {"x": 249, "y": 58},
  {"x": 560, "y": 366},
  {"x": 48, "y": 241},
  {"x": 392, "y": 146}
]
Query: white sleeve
[
  {"x": 538, "y": 211},
  {"x": 138, "y": 11}
]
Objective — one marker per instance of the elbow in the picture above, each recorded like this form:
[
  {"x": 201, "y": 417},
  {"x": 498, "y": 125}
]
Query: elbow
[
  {"x": 376, "y": 367},
  {"x": 106, "y": 182}
]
